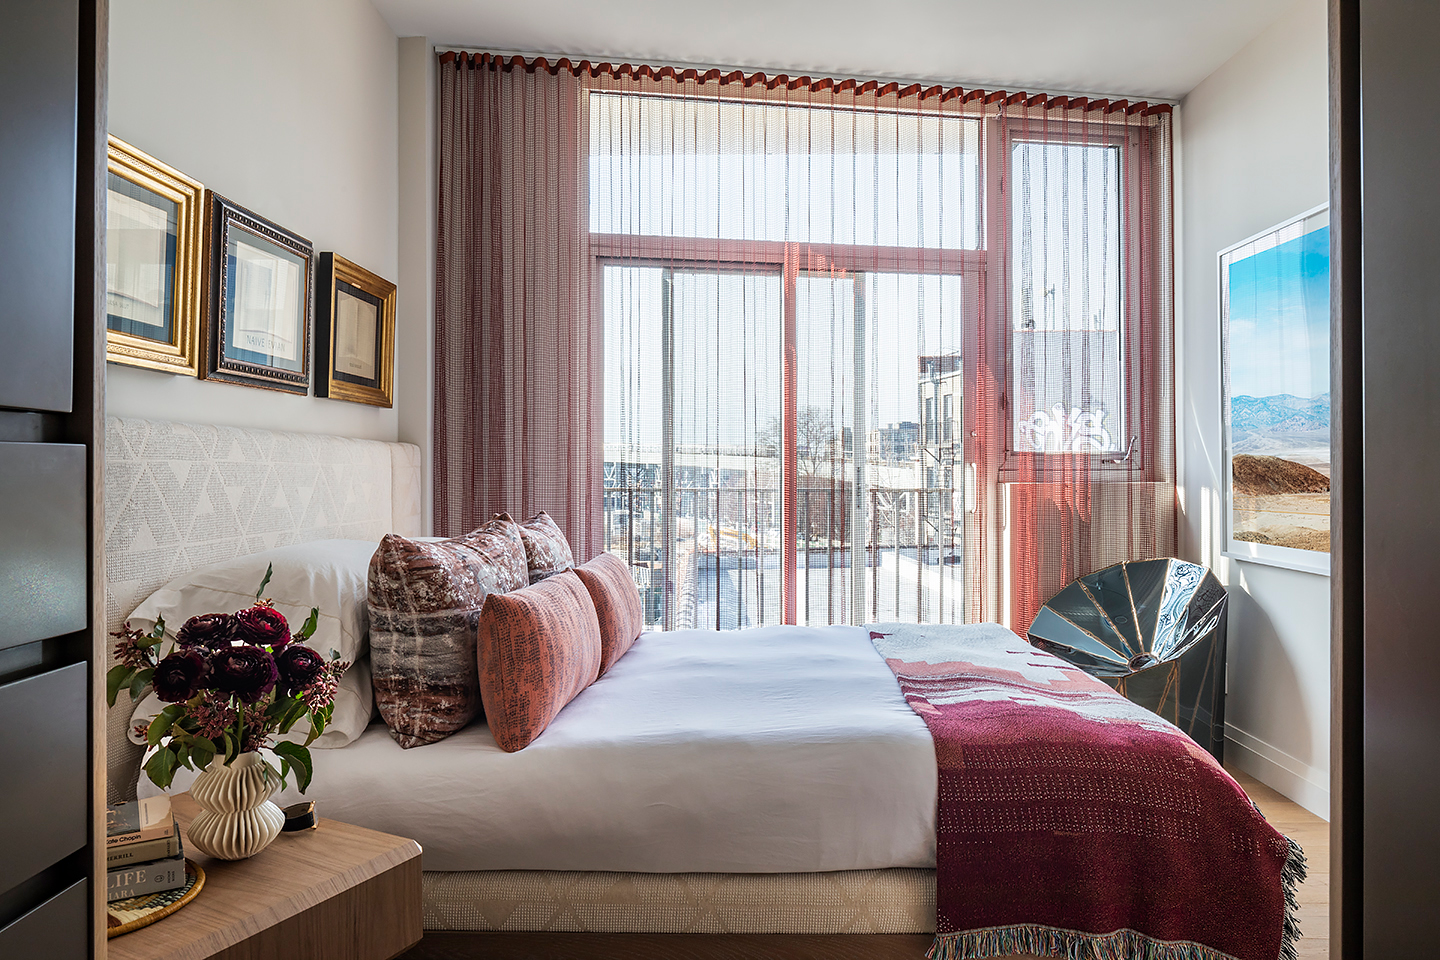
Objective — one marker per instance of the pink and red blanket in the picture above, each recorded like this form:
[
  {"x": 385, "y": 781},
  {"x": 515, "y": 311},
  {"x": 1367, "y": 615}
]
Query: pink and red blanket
[{"x": 1073, "y": 823}]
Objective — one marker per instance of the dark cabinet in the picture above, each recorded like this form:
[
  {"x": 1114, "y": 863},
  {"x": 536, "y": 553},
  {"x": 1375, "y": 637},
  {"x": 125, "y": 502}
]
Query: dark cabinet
[
  {"x": 52, "y": 644},
  {"x": 39, "y": 116},
  {"x": 44, "y": 563}
]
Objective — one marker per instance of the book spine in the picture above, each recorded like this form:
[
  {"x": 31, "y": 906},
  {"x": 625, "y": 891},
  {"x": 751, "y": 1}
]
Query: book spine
[
  {"x": 145, "y": 878},
  {"x": 142, "y": 851},
  {"x": 155, "y": 832}
]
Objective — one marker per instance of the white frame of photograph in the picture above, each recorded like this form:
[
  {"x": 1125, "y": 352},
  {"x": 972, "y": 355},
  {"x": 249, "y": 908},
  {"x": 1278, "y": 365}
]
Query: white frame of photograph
[{"x": 1310, "y": 561}]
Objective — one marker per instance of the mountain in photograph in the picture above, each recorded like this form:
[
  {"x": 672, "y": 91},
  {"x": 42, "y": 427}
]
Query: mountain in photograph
[
  {"x": 1281, "y": 413},
  {"x": 1256, "y": 476}
]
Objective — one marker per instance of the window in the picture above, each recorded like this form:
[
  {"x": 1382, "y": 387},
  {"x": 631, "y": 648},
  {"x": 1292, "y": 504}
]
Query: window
[{"x": 795, "y": 303}]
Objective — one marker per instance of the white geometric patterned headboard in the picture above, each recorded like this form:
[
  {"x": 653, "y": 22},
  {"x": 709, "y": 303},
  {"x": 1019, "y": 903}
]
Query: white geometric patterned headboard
[{"x": 179, "y": 496}]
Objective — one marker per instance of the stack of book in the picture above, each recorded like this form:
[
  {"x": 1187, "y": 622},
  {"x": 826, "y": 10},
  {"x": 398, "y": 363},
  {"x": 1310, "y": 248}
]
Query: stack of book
[{"x": 142, "y": 849}]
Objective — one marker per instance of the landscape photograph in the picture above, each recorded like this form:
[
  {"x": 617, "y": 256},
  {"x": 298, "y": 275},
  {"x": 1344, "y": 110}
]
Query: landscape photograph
[{"x": 1276, "y": 297}]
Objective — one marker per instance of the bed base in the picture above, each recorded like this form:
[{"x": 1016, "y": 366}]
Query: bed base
[{"x": 463, "y": 945}]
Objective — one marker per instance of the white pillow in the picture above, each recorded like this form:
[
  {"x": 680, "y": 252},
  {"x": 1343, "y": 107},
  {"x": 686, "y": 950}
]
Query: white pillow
[{"x": 329, "y": 574}]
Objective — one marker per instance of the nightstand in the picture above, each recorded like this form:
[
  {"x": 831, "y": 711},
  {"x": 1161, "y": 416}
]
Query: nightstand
[{"x": 339, "y": 892}]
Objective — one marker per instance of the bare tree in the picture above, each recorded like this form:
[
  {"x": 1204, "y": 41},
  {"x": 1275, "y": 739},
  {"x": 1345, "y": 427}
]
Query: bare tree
[{"x": 816, "y": 444}]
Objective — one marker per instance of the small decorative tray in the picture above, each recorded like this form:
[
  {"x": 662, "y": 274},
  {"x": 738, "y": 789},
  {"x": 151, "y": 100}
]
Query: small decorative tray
[{"x": 127, "y": 915}]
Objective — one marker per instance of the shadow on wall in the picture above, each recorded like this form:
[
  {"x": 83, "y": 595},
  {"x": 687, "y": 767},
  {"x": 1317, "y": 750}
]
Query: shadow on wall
[{"x": 1255, "y": 650}]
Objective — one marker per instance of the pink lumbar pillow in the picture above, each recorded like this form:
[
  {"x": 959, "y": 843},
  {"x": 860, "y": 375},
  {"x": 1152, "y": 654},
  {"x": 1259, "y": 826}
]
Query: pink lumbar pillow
[
  {"x": 537, "y": 648},
  {"x": 617, "y": 605}
]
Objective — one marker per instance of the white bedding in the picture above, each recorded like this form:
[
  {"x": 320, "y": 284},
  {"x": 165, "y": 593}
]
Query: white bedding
[{"x": 771, "y": 750}]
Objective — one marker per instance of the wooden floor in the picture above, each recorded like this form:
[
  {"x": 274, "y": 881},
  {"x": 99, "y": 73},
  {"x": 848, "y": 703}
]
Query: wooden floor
[{"x": 1306, "y": 829}]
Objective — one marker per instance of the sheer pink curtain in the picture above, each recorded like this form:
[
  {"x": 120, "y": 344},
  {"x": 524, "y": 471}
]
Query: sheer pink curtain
[
  {"x": 840, "y": 351},
  {"x": 517, "y": 391}
]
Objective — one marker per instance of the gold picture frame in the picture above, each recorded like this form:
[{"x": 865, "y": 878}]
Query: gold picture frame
[
  {"x": 354, "y": 333},
  {"x": 154, "y": 262}
]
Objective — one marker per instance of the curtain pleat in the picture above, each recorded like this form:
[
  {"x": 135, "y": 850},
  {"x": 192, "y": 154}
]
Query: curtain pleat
[{"x": 805, "y": 350}]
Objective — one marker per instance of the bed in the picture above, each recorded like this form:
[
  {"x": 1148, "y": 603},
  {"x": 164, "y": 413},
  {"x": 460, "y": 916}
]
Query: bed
[{"x": 770, "y": 789}]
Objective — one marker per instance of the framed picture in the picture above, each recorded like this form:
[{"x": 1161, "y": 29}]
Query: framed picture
[
  {"x": 354, "y": 333},
  {"x": 1275, "y": 375},
  {"x": 153, "y": 262},
  {"x": 259, "y": 282}
]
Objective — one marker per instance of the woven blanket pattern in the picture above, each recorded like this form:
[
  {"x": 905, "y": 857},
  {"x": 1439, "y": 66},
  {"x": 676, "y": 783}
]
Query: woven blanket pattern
[{"x": 1073, "y": 823}]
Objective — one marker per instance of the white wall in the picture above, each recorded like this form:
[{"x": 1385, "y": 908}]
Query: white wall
[
  {"x": 1253, "y": 153},
  {"x": 415, "y": 336},
  {"x": 287, "y": 108}
]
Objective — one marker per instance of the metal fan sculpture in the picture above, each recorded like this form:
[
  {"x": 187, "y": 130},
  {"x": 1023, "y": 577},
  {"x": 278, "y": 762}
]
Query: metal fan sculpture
[{"x": 1155, "y": 631}]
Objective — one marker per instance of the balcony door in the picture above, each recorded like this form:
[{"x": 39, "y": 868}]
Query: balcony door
[{"x": 786, "y": 438}]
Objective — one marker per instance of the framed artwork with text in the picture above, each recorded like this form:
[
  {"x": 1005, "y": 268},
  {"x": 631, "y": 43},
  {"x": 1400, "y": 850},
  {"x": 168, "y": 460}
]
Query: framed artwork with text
[
  {"x": 354, "y": 333},
  {"x": 154, "y": 262},
  {"x": 1275, "y": 374},
  {"x": 259, "y": 283}
]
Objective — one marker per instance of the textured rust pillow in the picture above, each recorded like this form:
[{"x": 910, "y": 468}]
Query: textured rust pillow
[
  {"x": 538, "y": 648},
  {"x": 424, "y": 602},
  {"x": 617, "y": 605},
  {"x": 546, "y": 549}
]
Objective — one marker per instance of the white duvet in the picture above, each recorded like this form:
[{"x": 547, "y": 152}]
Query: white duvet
[{"x": 771, "y": 750}]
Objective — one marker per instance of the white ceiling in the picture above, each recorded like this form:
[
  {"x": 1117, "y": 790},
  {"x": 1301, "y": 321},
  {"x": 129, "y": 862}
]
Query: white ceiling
[{"x": 1137, "y": 48}]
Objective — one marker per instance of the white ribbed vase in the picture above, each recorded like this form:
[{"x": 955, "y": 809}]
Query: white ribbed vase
[{"x": 237, "y": 819}]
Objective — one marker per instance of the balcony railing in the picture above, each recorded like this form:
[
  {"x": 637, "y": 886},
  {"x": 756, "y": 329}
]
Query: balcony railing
[{"x": 723, "y": 567}]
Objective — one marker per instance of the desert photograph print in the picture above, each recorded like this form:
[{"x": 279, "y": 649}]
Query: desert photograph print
[{"x": 1275, "y": 302}]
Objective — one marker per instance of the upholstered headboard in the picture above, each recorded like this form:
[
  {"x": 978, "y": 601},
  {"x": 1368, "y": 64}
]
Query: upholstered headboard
[{"x": 179, "y": 496}]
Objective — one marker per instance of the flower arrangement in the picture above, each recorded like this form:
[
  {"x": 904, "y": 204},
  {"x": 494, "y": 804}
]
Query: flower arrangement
[{"x": 232, "y": 682}]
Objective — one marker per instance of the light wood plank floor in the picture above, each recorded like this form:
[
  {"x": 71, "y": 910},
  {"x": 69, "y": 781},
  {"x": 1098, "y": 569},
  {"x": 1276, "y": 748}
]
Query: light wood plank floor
[{"x": 1313, "y": 835}]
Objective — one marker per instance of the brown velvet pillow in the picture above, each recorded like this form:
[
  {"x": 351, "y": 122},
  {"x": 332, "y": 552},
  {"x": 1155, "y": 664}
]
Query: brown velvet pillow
[
  {"x": 538, "y": 647},
  {"x": 424, "y": 602},
  {"x": 617, "y": 605},
  {"x": 546, "y": 549}
]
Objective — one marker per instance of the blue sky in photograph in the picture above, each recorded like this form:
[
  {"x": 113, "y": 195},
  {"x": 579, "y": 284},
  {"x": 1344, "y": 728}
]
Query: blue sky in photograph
[{"x": 1280, "y": 319}]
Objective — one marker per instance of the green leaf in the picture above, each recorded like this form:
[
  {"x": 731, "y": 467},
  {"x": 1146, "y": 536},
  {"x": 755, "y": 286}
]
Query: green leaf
[
  {"x": 299, "y": 759},
  {"x": 118, "y": 677},
  {"x": 161, "y": 768},
  {"x": 200, "y": 757},
  {"x": 232, "y": 747},
  {"x": 154, "y": 640},
  {"x": 182, "y": 755},
  {"x": 138, "y": 681},
  {"x": 162, "y": 723},
  {"x": 199, "y": 744},
  {"x": 292, "y": 716},
  {"x": 158, "y": 631},
  {"x": 269, "y": 572},
  {"x": 311, "y": 622}
]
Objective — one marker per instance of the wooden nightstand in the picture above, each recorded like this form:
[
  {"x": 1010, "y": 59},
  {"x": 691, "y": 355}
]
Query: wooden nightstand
[{"x": 337, "y": 893}]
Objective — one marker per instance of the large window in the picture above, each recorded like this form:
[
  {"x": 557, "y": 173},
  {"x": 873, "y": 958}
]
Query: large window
[{"x": 830, "y": 334}]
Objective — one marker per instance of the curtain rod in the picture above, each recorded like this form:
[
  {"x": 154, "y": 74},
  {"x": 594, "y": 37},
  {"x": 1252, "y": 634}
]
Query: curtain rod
[{"x": 814, "y": 75}]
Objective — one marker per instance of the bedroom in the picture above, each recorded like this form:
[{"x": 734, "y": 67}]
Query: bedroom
[{"x": 324, "y": 118}]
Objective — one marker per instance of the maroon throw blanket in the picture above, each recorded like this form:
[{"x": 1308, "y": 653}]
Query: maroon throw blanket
[{"x": 1073, "y": 823}]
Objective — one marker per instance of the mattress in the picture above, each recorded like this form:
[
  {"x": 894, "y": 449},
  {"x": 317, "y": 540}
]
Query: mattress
[{"x": 770, "y": 750}]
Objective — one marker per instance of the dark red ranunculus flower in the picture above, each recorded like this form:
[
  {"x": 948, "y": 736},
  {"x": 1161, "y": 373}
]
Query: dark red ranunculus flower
[
  {"x": 299, "y": 666},
  {"x": 247, "y": 672},
  {"x": 178, "y": 676},
  {"x": 262, "y": 626},
  {"x": 207, "y": 630}
]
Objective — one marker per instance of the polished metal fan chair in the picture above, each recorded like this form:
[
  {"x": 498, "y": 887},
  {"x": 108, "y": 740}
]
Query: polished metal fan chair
[{"x": 1155, "y": 631}]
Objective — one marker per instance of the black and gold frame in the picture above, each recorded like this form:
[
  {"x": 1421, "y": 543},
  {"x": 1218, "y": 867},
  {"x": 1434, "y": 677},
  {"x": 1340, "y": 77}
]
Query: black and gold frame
[
  {"x": 259, "y": 282},
  {"x": 354, "y": 333},
  {"x": 154, "y": 263},
  {"x": 1155, "y": 631}
]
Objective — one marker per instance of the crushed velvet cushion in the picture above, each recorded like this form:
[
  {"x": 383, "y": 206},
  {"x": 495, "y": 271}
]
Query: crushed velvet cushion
[
  {"x": 424, "y": 602},
  {"x": 538, "y": 647},
  {"x": 546, "y": 549},
  {"x": 617, "y": 605}
]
